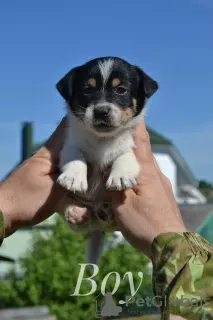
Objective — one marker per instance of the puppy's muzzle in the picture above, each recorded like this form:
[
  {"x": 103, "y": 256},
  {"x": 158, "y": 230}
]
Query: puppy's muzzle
[
  {"x": 102, "y": 113},
  {"x": 105, "y": 117}
]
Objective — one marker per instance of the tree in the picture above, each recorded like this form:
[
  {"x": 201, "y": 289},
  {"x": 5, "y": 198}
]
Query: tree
[
  {"x": 51, "y": 268},
  {"x": 207, "y": 189}
]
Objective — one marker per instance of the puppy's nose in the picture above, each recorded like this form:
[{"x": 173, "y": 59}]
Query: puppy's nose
[{"x": 101, "y": 112}]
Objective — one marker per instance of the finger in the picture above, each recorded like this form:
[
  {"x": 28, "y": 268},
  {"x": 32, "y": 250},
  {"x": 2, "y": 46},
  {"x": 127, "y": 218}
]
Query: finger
[
  {"x": 143, "y": 152},
  {"x": 120, "y": 198},
  {"x": 142, "y": 148},
  {"x": 165, "y": 181},
  {"x": 52, "y": 204},
  {"x": 54, "y": 144},
  {"x": 168, "y": 189}
]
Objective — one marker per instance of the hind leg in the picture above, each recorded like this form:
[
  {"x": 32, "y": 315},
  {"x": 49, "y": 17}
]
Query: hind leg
[{"x": 76, "y": 215}]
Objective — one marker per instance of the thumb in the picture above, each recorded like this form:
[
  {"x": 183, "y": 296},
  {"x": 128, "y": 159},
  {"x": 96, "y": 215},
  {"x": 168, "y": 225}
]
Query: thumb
[
  {"x": 53, "y": 145},
  {"x": 116, "y": 197},
  {"x": 120, "y": 198}
]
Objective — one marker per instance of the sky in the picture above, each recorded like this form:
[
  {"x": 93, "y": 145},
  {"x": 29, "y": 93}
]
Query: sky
[{"x": 172, "y": 41}]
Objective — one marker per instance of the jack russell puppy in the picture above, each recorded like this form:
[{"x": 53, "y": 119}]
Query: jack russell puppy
[{"x": 105, "y": 99}]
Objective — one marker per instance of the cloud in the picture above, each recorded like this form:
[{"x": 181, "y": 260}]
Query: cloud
[{"x": 196, "y": 147}]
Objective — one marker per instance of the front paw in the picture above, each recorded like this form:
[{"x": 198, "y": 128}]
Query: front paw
[
  {"x": 123, "y": 178},
  {"x": 73, "y": 181}
]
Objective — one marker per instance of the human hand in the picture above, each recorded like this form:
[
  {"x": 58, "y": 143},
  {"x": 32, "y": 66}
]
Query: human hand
[
  {"x": 30, "y": 194},
  {"x": 150, "y": 208}
]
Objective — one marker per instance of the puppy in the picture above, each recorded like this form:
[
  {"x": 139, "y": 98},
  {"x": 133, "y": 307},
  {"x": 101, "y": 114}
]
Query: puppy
[{"x": 105, "y": 99}]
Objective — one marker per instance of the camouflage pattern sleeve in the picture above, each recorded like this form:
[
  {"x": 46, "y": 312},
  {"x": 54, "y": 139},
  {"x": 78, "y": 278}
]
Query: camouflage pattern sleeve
[
  {"x": 1, "y": 227},
  {"x": 183, "y": 275}
]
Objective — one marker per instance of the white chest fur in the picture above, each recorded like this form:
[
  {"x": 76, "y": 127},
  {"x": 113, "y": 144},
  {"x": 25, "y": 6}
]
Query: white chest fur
[
  {"x": 81, "y": 148},
  {"x": 101, "y": 151}
]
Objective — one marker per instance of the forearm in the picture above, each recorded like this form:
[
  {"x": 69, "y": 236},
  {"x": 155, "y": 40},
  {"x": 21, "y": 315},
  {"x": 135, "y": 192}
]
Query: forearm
[{"x": 183, "y": 269}]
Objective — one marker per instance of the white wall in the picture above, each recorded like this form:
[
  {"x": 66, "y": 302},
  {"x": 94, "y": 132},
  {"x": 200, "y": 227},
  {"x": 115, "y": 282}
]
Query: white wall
[
  {"x": 15, "y": 246},
  {"x": 168, "y": 167},
  {"x": 18, "y": 243}
]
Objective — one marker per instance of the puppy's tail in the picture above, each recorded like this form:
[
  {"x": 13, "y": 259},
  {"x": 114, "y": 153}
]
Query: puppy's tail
[{"x": 95, "y": 245}]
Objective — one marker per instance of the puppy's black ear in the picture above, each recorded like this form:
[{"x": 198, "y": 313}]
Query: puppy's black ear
[
  {"x": 150, "y": 86},
  {"x": 64, "y": 86}
]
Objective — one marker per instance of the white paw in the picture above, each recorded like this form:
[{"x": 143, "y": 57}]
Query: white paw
[
  {"x": 123, "y": 178},
  {"x": 73, "y": 181}
]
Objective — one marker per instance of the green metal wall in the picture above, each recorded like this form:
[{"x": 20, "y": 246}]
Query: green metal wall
[{"x": 206, "y": 228}]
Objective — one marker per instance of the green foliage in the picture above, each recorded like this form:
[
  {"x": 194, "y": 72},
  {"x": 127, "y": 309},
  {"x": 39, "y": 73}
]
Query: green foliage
[
  {"x": 51, "y": 269},
  {"x": 207, "y": 189}
]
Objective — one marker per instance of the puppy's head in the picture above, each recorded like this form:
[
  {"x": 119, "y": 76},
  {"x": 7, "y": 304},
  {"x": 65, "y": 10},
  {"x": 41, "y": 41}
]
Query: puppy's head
[{"x": 106, "y": 94}]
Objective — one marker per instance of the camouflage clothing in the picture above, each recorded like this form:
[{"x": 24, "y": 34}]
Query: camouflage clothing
[{"x": 183, "y": 275}]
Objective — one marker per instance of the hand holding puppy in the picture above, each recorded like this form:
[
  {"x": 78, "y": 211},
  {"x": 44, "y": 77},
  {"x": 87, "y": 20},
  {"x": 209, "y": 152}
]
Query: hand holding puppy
[
  {"x": 30, "y": 194},
  {"x": 150, "y": 208}
]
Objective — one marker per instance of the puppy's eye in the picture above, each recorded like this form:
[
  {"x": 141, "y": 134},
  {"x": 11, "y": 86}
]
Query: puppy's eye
[
  {"x": 121, "y": 90},
  {"x": 88, "y": 90}
]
